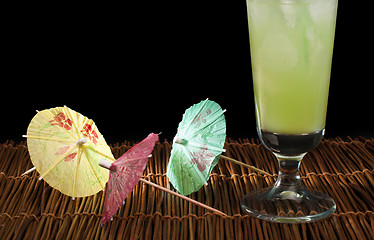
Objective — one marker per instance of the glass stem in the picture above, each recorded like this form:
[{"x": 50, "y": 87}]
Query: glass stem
[{"x": 289, "y": 175}]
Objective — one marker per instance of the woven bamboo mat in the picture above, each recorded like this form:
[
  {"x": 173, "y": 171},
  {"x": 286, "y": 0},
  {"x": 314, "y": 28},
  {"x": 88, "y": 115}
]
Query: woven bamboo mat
[{"x": 344, "y": 169}]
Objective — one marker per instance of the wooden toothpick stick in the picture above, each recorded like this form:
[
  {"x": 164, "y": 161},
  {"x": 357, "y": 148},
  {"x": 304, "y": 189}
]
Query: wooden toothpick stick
[
  {"x": 246, "y": 165},
  {"x": 183, "y": 197}
]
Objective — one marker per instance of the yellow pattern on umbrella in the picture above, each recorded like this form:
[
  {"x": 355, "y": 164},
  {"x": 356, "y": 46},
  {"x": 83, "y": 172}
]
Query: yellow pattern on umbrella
[{"x": 66, "y": 147}]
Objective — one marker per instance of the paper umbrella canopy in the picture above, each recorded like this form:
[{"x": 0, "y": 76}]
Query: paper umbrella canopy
[
  {"x": 65, "y": 147},
  {"x": 197, "y": 146},
  {"x": 125, "y": 173}
]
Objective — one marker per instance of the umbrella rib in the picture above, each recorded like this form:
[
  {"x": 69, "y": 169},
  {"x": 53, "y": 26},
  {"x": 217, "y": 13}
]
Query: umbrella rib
[
  {"x": 102, "y": 154},
  {"x": 88, "y": 121},
  {"x": 138, "y": 158},
  {"x": 46, "y": 117},
  {"x": 213, "y": 120},
  {"x": 206, "y": 147},
  {"x": 49, "y": 138},
  {"x": 93, "y": 170},
  {"x": 43, "y": 174},
  {"x": 91, "y": 123},
  {"x": 68, "y": 112},
  {"x": 198, "y": 173},
  {"x": 193, "y": 118},
  {"x": 76, "y": 171},
  {"x": 181, "y": 171},
  {"x": 46, "y": 132},
  {"x": 65, "y": 111}
]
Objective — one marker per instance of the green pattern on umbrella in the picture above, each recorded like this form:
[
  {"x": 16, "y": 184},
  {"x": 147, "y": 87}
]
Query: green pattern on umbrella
[{"x": 197, "y": 146}]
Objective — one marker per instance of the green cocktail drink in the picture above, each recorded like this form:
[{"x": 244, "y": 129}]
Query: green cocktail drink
[{"x": 291, "y": 47}]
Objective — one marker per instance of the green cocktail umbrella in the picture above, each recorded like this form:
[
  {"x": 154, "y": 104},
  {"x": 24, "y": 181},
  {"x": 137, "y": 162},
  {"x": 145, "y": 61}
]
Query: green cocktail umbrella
[{"x": 197, "y": 146}]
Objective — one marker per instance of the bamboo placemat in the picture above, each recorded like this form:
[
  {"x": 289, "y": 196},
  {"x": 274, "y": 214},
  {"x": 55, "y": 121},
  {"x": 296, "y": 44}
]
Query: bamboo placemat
[{"x": 344, "y": 169}]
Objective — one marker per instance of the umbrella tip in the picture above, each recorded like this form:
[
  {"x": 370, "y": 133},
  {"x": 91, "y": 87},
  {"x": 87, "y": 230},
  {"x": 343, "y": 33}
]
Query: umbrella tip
[
  {"x": 105, "y": 164},
  {"x": 180, "y": 140},
  {"x": 81, "y": 141},
  {"x": 73, "y": 198},
  {"x": 28, "y": 171}
]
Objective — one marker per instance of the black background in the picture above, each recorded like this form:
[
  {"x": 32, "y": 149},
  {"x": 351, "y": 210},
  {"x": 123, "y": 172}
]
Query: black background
[{"x": 134, "y": 68}]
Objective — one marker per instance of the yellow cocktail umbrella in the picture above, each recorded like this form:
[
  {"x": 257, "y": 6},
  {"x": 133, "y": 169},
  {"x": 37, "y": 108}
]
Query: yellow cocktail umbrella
[{"x": 66, "y": 147}]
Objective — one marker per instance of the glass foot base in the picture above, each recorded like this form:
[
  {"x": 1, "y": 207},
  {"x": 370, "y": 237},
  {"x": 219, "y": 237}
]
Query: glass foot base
[{"x": 288, "y": 204}]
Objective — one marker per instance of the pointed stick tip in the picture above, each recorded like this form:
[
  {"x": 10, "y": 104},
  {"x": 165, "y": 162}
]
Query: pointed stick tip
[
  {"x": 105, "y": 164},
  {"x": 28, "y": 171},
  {"x": 246, "y": 165}
]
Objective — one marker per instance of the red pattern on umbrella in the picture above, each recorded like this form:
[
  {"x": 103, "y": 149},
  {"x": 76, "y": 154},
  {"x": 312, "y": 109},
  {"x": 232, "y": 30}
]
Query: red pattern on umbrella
[
  {"x": 62, "y": 121},
  {"x": 90, "y": 133},
  {"x": 202, "y": 158},
  {"x": 63, "y": 150},
  {"x": 200, "y": 118},
  {"x": 125, "y": 173}
]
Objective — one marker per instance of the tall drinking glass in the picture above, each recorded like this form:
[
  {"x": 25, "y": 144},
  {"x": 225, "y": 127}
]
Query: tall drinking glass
[{"x": 291, "y": 50}]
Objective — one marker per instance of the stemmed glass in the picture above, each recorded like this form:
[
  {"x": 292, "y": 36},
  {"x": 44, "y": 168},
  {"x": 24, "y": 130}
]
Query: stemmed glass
[{"x": 291, "y": 50}]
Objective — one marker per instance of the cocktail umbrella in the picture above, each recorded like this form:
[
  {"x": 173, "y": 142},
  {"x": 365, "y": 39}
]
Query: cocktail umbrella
[
  {"x": 126, "y": 172},
  {"x": 65, "y": 148},
  {"x": 198, "y": 146}
]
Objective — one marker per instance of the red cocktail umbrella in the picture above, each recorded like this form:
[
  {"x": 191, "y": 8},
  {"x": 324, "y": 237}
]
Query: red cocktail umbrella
[{"x": 126, "y": 172}]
